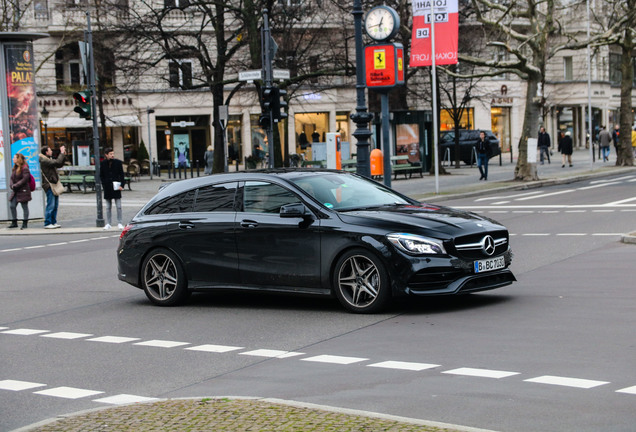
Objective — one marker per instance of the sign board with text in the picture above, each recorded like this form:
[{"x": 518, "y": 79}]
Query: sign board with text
[{"x": 384, "y": 65}]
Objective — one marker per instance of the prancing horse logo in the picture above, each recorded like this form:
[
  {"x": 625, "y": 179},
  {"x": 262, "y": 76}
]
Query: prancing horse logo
[{"x": 488, "y": 245}]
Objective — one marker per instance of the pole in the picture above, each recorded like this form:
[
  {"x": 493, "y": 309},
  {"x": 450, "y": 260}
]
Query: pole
[
  {"x": 266, "y": 44},
  {"x": 361, "y": 117},
  {"x": 589, "y": 89},
  {"x": 152, "y": 165},
  {"x": 99, "y": 222},
  {"x": 386, "y": 148},
  {"x": 434, "y": 83}
]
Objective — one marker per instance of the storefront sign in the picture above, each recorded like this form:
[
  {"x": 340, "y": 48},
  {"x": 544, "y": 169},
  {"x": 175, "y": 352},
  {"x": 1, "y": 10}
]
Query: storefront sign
[
  {"x": 446, "y": 32},
  {"x": 501, "y": 101},
  {"x": 23, "y": 116}
]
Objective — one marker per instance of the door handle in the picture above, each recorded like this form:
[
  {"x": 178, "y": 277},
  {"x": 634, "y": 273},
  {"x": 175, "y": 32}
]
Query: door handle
[
  {"x": 186, "y": 225},
  {"x": 249, "y": 224}
]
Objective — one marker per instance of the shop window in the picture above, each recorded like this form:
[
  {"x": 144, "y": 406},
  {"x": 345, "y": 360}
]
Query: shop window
[
  {"x": 234, "y": 140},
  {"x": 311, "y": 129},
  {"x": 567, "y": 68},
  {"x": 180, "y": 74},
  {"x": 466, "y": 122}
]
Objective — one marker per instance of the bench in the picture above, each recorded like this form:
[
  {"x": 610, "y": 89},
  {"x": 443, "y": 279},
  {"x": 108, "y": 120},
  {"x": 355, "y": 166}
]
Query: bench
[
  {"x": 349, "y": 165},
  {"x": 314, "y": 164},
  {"x": 84, "y": 181},
  {"x": 401, "y": 165}
]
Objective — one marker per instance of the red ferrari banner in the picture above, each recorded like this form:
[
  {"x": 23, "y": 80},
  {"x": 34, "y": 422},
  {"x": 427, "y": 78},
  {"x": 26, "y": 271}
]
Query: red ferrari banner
[{"x": 446, "y": 32}]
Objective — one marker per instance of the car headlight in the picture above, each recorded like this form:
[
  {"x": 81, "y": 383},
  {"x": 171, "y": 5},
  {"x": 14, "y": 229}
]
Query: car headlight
[{"x": 416, "y": 245}]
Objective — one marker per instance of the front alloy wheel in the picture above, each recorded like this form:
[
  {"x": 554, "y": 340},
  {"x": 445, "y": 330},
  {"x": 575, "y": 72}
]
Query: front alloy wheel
[
  {"x": 361, "y": 283},
  {"x": 163, "y": 279}
]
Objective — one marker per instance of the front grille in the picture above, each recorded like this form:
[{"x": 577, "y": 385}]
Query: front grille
[
  {"x": 432, "y": 279},
  {"x": 471, "y": 247},
  {"x": 487, "y": 281}
]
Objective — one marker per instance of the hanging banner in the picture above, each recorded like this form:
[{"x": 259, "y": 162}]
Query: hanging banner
[
  {"x": 23, "y": 115},
  {"x": 446, "y": 32}
]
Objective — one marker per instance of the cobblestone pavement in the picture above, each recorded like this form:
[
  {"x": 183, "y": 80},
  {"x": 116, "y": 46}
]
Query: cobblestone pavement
[{"x": 235, "y": 415}]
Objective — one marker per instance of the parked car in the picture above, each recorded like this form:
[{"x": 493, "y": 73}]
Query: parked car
[
  {"x": 467, "y": 140},
  {"x": 308, "y": 231}
]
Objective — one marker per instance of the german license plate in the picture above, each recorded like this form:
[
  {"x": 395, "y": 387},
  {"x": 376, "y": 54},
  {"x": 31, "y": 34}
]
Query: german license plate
[{"x": 491, "y": 264}]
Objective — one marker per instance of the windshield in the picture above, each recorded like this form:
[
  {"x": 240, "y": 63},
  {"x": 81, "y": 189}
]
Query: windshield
[{"x": 342, "y": 192}]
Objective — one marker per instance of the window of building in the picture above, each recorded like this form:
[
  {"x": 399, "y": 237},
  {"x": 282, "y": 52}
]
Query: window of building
[
  {"x": 68, "y": 67},
  {"x": 76, "y": 3},
  {"x": 216, "y": 198},
  {"x": 180, "y": 4},
  {"x": 180, "y": 74},
  {"x": 467, "y": 120},
  {"x": 567, "y": 68},
  {"x": 41, "y": 9},
  {"x": 615, "y": 74}
]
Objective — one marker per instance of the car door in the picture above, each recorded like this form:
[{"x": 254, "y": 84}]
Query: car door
[
  {"x": 205, "y": 236},
  {"x": 276, "y": 252}
]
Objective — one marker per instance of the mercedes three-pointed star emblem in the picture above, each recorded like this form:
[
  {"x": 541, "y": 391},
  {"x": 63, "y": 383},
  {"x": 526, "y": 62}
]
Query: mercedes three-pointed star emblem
[{"x": 488, "y": 245}]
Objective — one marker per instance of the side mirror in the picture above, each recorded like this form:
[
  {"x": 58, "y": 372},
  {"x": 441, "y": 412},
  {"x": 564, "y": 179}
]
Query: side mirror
[{"x": 296, "y": 210}]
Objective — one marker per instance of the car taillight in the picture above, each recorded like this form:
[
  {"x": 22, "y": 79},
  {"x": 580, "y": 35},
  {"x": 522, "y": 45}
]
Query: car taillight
[{"x": 125, "y": 231}]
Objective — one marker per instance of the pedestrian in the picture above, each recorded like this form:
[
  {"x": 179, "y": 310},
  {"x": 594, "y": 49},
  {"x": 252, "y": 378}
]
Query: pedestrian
[
  {"x": 208, "y": 157},
  {"x": 544, "y": 144},
  {"x": 634, "y": 141},
  {"x": 19, "y": 185},
  {"x": 615, "y": 137},
  {"x": 482, "y": 146},
  {"x": 565, "y": 147},
  {"x": 111, "y": 175},
  {"x": 48, "y": 168},
  {"x": 604, "y": 139}
]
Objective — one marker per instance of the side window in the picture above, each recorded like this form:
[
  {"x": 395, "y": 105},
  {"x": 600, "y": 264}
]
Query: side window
[
  {"x": 261, "y": 197},
  {"x": 216, "y": 198},
  {"x": 181, "y": 203}
]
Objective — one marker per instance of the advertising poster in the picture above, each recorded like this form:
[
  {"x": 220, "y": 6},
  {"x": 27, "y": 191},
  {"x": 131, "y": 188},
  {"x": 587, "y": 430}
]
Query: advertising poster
[
  {"x": 181, "y": 150},
  {"x": 3, "y": 170},
  {"x": 446, "y": 32},
  {"x": 408, "y": 141},
  {"x": 23, "y": 115}
]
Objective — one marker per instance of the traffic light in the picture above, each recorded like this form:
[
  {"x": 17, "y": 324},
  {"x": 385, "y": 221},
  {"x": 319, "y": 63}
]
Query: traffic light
[
  {"x": 268, "y": 98},
  {"x": 83, "y": 102},
  {"x": 280, "y": 108},
  {"x": 263, "y": 121}
]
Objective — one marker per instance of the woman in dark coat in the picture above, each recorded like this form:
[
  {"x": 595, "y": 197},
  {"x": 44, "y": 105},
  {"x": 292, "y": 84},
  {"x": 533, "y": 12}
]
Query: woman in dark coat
[
  {"x": 20, "y": 190},
  {"x": 565, "y": 147}
]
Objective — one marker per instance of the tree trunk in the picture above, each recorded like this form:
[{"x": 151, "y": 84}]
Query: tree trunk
[
  {"x": 525, "y": 171},
  {"x": 625, "y": 152}
]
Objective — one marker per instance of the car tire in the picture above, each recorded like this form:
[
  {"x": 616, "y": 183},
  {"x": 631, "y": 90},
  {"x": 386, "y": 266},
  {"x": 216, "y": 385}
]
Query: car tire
[
  {"x": 361, "y": 283},
  {"x": 163, "y": 279}
]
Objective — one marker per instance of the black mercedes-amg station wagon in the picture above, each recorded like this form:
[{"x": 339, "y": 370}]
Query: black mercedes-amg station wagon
[{"x": 316, "y": 232}]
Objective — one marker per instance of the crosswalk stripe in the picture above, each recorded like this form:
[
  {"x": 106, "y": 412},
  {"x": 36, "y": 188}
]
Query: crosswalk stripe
[
  {"x": 483, "y": 373},
  {"x": 403, "y": 365},
  {"x": 567, "y": 382},
  {"x": 68, "y": 392},
  {"x": 122, "y": 399},
  {"x": 334, "y": 359},
  {"x": 214, "y": 348},
  {"x": 14, "y": 385}
]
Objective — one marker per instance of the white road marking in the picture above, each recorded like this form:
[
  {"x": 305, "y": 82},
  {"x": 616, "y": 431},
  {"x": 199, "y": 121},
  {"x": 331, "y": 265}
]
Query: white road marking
[
  {"x": 535, "y": 234},
  {"x": 567, "y": 382},
  {"x": 500, "y": 202},
  {"x": 334, "y": 359},
  {"x": 271, "y": 353},
  {"x": 602, "y": 211},
  {"x": 628, "y": 390},
  {"x": 403, "y": 365},
  {"x": 68, "y": 392},
  {"x": 214, "y": 348},
  {"x": 607, "y": 234},
  {"x": 66, "y": 335},
  {"x": 545, "y": 195},
  {"x": 3, "y": 328},
  {"x": 576, "y": 211},
  {"x": 161, "y": 343},
  {"x": 509, "y": 196},
  {"x": 597, "y": 186},
  {"x": 122, "y": 399},
  {"x": 113, "y": 339},
  {"x": 14, "y": 385},
  {"x": 571, "y": 234},
  {"x": 57, "y": 244},
  {"x": 79, "y": 241},
  {"x": 482, "y": 373},
  {"x": 523, "y": 211},
  {"x": 34, "y": 247},
  {"x": 616, "y": 203},
  {"x": 25, "y": 332}
]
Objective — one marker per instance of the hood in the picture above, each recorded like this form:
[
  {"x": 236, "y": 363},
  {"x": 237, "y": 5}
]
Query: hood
[{"x": 444, "y": 220}]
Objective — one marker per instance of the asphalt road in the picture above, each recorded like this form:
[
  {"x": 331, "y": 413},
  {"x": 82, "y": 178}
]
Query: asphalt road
[{"x": 554, "y": 351}]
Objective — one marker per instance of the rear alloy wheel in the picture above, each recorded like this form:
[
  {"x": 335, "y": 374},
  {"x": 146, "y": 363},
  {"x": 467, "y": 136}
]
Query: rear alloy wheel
[
  {"x": 361, "y": 283},
  {"x": 163, "y": 279}
]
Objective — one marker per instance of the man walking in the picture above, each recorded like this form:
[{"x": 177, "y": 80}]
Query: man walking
[
  {"x": 111, "y": 175},
  {"x": 544, "y": 144},
  {"x": 48, "y": 168},
  {"x": 482, "y": 146},
  {"x": 616, "y": 136},
  {"x": 604, "y": 139}
]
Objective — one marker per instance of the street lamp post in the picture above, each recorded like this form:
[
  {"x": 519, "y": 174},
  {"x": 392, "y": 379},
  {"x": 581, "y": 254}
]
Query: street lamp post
[
  {"x": 361, "y": 117},
  {"x": 45, "y": 117}
]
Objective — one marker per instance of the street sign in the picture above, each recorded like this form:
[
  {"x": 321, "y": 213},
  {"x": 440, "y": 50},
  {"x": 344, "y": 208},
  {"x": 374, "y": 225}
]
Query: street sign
[
  {"x": 280, "y": 74},
  {"x": 250, "y": 75}
]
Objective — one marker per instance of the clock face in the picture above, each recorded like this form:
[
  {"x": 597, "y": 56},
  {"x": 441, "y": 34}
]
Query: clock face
[{"x": 381, "y": 23}]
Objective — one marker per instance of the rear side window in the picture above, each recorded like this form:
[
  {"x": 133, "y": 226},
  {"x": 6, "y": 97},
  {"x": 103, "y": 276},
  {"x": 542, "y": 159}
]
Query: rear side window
[
  {"x": 181, "y": 203},
  {"x": 215, "y": 198}
]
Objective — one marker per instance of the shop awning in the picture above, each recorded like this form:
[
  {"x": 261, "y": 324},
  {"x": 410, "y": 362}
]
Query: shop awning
[{"x": 78, "y": 123}]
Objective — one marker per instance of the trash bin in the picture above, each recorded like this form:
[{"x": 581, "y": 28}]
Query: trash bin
[{"x": 377, "y": 162}]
